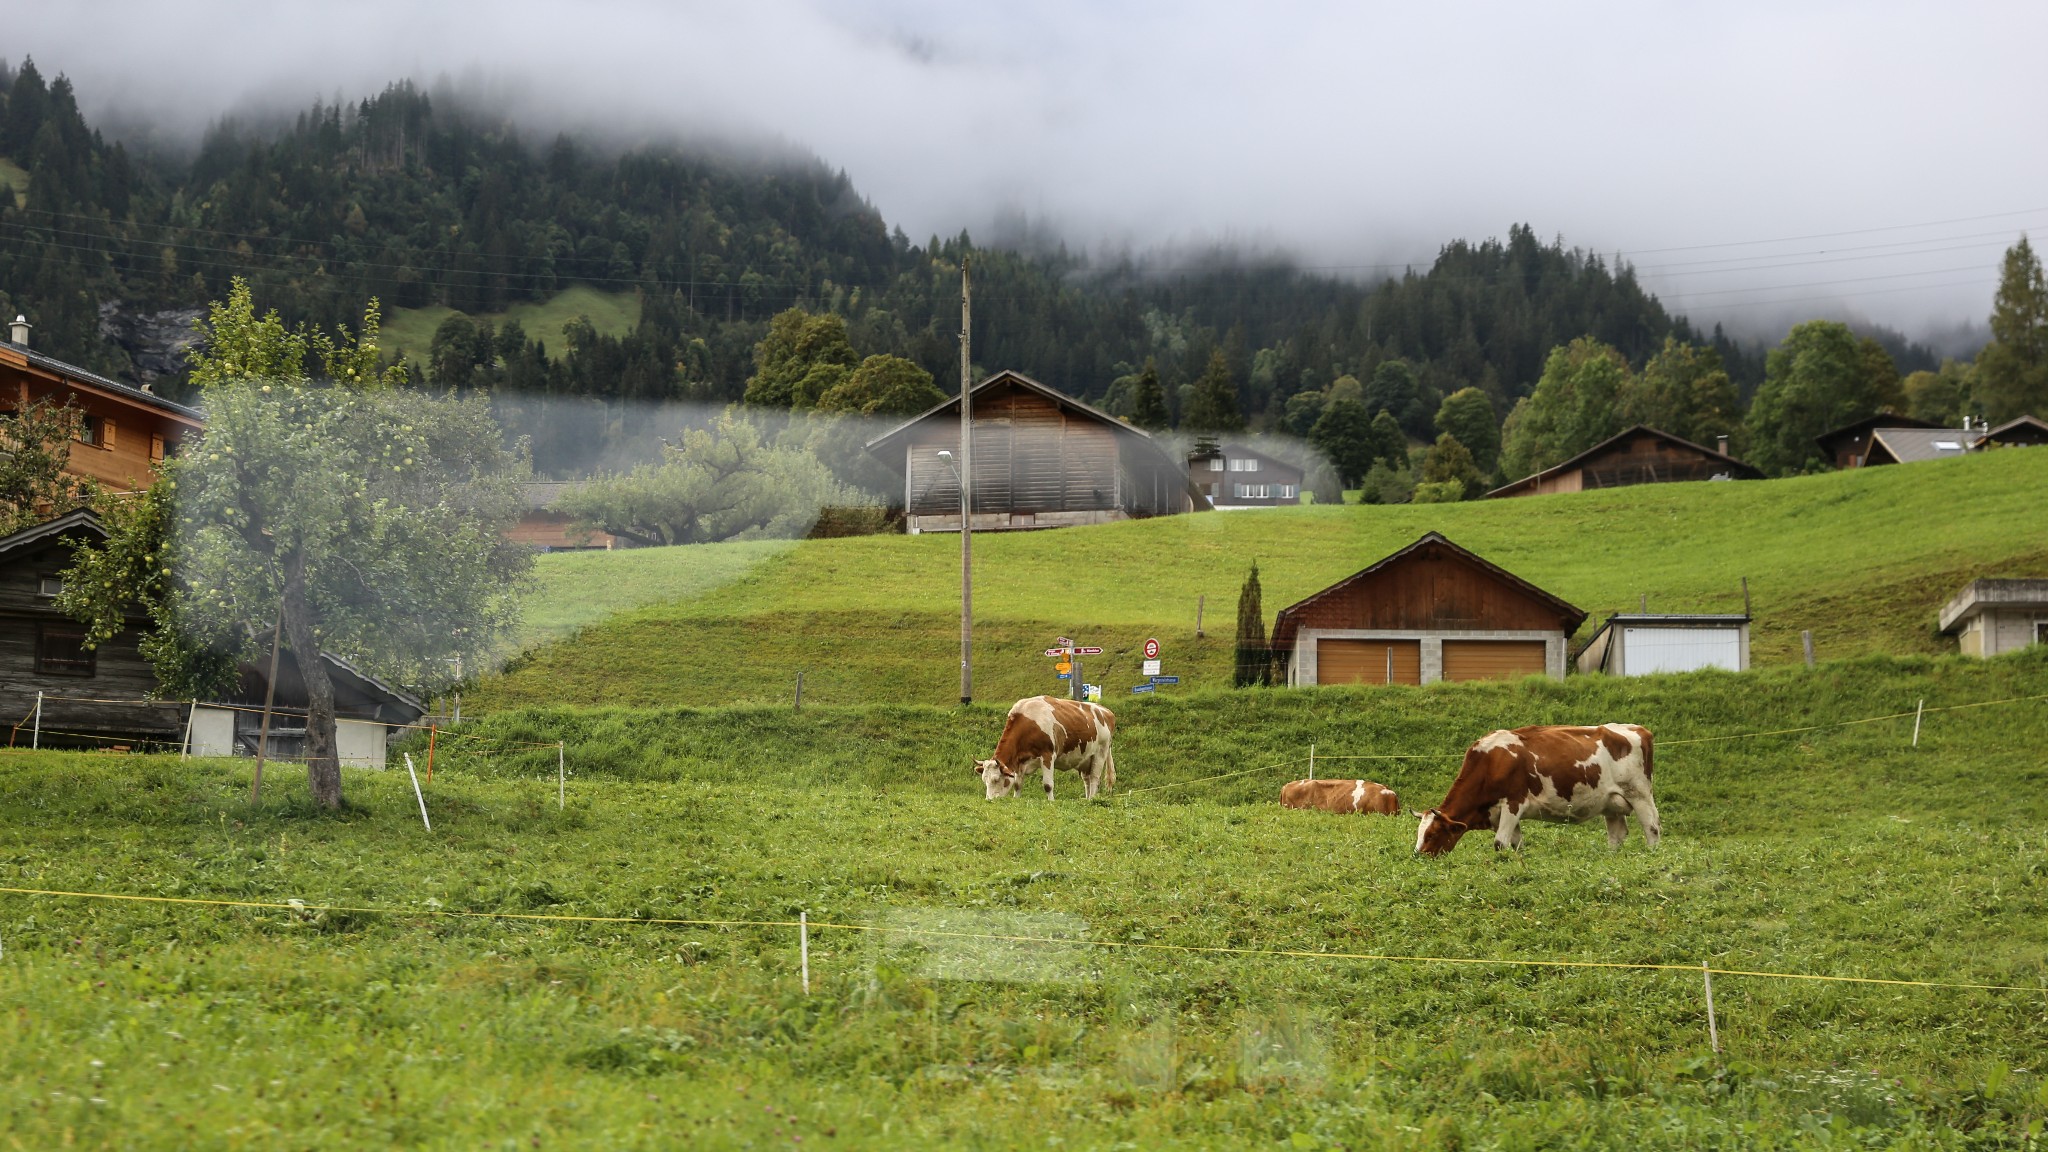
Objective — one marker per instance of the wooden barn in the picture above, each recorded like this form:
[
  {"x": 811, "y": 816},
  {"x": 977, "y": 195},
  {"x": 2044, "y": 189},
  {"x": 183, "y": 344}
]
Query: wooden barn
[
  {"x": 1640, "y": 455},
  {"x": 1849, "y": 445},
  {"x": 128, "y": 430},
  {"x": 1042, "y": 459},
  {"x": 1235, "y": 476},
  {"x": 1432, "y": 611}
]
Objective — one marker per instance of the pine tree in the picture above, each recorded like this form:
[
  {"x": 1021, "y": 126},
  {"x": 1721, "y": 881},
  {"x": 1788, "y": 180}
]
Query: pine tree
[
  {"x": 1148, "y": 405},
  {"x": 2012, "y": 371},
  {"x": 1213, "y": 407},
  {"x": 1254, "y": 659}
]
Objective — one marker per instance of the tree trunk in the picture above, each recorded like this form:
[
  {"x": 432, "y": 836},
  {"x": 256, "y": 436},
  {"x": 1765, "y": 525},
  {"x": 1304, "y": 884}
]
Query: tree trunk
[{"x": 323, "y": 766}]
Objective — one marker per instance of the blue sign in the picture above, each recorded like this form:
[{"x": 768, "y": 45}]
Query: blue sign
[
  {"x": 1166, "y": 679},
  {"x": 1063, "y": 675},
  {"x": 1144, "y": 687}
]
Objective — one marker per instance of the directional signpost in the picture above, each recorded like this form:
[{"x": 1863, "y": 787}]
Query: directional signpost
[{"x": 1150, "y": 669}]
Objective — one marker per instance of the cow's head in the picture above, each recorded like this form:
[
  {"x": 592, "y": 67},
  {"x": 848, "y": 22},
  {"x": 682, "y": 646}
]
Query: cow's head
[
  {"x": 1438, "y": 833},
  {"x": 996, "y": 780}
]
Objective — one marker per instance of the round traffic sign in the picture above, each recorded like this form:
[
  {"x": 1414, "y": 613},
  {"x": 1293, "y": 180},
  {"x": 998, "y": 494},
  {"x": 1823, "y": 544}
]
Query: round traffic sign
[{"x": 1151, "y": 649}]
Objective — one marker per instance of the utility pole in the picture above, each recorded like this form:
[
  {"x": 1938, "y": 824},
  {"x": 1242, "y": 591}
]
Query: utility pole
[{"x": 966, "y": 486}]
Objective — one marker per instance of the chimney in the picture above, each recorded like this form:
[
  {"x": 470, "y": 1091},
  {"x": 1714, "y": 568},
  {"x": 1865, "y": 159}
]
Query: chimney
[
  {"x": 18, "y": 331},
  {"x": 1722, "y": 446}
]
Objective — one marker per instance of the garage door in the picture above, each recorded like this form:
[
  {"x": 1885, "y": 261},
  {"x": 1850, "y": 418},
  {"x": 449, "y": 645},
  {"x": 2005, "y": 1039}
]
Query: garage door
[
  {"x": 1367, "y": 661},
  {"x": 1492, "y": 659}
]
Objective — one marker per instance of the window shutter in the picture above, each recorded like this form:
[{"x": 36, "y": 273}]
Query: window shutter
[{"x": 107, "y": 440}]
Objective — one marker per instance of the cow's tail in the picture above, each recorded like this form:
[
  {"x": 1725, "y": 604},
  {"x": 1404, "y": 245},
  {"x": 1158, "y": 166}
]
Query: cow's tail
[{"x": 1648, "y": 739}]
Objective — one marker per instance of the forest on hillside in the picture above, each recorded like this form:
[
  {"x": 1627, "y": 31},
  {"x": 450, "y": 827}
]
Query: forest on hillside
[{"x": 417, "y": 201}]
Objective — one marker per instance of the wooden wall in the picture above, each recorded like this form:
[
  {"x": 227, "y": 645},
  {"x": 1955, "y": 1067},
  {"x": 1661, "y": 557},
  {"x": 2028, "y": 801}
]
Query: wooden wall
[
  {"x": 132, "y": 432},
  {"x": 1648, "y": 460},
  {"x": 119, "y": 674},
  {"x": 1029, "y": 456},
  {"x": 1430, "y": 590}
]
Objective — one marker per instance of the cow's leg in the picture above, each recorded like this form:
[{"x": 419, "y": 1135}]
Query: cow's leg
[
  {"x": 1051, "y": 764},
  {"x": 1508, "y": 833},
  {"x": 1091, "y": 778},
  {"x": 1646, "y": 815},
  {"x": 1109, "y": 769},
  {"x": 1617, "y": 829}
]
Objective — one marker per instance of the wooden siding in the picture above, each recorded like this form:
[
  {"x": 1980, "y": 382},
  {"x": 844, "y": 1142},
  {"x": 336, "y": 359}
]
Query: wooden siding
[
  {"x": 1029, "y": 456},
  {"x": 554, "y": 532},
  {"x": 1493, "y": 659},
  {"x": 1639, "y": 459},
  {"x": 132, "y": 434},
  {"x": 1367, "y": 661},
  {"x": 1429, "y": 592},
  {"x": 73, "y": 703}
]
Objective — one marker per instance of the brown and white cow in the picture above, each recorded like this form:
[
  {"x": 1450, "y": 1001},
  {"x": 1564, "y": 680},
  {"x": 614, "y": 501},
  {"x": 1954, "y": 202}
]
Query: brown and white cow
[
  {"x": 1556, "y": 772},
  {"x": 1340, "y": 796},
  {"x": 1049, "y": 733}
]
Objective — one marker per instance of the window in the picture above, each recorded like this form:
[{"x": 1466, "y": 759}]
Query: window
[
  {"x": 61, "y": 651},
  {"x": 89, "y": 430},
  {"x": 1244, "y": 465},
  {"x": 156, "y": 449},
  {"x": 49, "y": 586},
  {"x": 1216, "y": 464},
  {"x": 1287, "y": 491},
  {"x": 1252, "y": 491},
  {"x": 2041, "y": 631}
]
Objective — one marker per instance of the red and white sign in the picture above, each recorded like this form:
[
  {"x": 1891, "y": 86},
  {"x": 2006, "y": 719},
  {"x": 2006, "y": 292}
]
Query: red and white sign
[
  {"x": 1087, "y": 651},
  {"x": 1151, "y": 649}
]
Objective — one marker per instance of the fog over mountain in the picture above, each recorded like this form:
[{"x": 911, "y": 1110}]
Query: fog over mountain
[{"x": 1758, "y": 162}]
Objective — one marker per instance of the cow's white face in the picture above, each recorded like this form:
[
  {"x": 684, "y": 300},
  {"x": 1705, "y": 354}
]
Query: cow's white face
[
  {"x": 995, "y": 781},
  {"x": 1437, "y": 833}
]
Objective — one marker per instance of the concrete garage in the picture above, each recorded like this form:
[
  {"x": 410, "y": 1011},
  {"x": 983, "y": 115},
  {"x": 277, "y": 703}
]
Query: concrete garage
[
  {"x": 1993, "y": 617},
  {"x": 1432, "y": 611}
]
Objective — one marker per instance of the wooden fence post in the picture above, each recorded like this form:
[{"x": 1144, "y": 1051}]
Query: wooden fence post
[
  {"x": 1806, "y": 641},
  {"x": 36, "y": 739},
  {"x": 1201, "y": 602}
]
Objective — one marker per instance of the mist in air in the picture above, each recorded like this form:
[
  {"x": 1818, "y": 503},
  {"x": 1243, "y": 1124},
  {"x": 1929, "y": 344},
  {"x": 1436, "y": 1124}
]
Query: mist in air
[{"x": 1757, "y": 162}]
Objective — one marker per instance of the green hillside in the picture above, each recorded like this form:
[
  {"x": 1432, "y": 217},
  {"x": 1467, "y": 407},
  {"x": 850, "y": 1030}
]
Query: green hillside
[
  {"x": 409, "y": 332},
  {"x": 1863, "y": 559},
  {"x": 1843, "y": 851}
]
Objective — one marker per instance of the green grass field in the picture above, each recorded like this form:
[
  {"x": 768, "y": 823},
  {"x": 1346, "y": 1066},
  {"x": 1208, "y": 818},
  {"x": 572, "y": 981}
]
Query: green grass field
[
  {"x": 12, "y": 175},
  {"x": 1863, "y": 559},
  {"x": 1841, "y": 851},
  {"x": 410, "y": 331}
]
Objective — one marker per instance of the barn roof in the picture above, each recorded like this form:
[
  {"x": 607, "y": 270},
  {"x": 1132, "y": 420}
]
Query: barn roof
[
  {"x": 93, "y": 381},
  {"x": 1288, "y": 621},
  {"x": 80, "y": 521},
  {"x": 2015, "y": 429},
  {"x": 883, "y": 446},
  {"x": 1534, "y": 480},
  {"x": 1833, "y": 436},
  {"x": 1913, "y": 445}
]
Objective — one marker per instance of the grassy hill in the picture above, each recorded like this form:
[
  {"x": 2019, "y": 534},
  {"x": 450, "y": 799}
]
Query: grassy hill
[
  {"x": 1863, "y": 559},
  {"x": 1841, "y": 851},
  {"x": 12, "y": 175},
  {"x": 410, "y": 331}
]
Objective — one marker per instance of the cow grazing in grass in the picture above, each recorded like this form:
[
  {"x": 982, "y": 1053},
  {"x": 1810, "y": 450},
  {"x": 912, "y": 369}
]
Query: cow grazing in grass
[
  {"x": 1561, "y": 773},
  {"x": 1050, "y": 733},
  {"x": 1340, "y": 796}
]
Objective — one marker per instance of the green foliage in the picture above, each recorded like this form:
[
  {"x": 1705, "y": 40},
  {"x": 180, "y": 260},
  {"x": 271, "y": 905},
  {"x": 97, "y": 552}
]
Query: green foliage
[
  {"x": 1148, "y": 400},
  {"x": 721, "y": 483},
  {"x": 1572, "y": 408},
  {"x": 1344, "y": 435},
  {"x": 801, "y": 358},
  {"x": 1302, "y": 411},
  {"x": 1942, "y": 397},
  {"x": 1468, "y": 416},
  {"x": 1389, "y": 443},
  {"x": 2012, "y": 370},
  {"x": 1449, "y": 468},
  {"x": 1820, "y": 377},
  {"x": 1213, "y": 406},
  {"x": 883, "y": 386},
  {"x": 35, "y": 445},
  {"x": 1254, "y": 665},
  {"x": 1682, "y": 390},
  {"x": 1394, "y": 388},
  {"x": 1387, "y": 485}
]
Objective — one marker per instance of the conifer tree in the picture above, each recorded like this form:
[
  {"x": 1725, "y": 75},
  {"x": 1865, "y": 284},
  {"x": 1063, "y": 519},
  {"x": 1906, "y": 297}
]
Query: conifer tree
[
  {"x": 2012, "y": 371},
  {"x": 1254, "y": 659},
  {"x": 1148, "y": 404},
  {"x": 1213, "y": 407}
]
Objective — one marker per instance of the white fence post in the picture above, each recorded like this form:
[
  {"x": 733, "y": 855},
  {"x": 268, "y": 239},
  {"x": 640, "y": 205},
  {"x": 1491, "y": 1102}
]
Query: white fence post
[
  {"x": 190, "y": 714},
  {"x": 1713, "y": 1030},
  {"x": 1917, "y": 710},
  {"x": 1311, "y": 762},
  {"x": 562, "y": 774},
  {"x": 421, "y": 796},
  {"x": 36, "y": 741},
  {"x": 803, "y": 944}
]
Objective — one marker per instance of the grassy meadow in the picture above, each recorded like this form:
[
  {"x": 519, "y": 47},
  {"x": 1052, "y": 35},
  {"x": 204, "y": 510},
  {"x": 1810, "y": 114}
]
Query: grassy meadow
[
  {"x": 409, "y": 332},
  {"x": 1841, "y": 851},
  {"x": 1863, "y": 559}
]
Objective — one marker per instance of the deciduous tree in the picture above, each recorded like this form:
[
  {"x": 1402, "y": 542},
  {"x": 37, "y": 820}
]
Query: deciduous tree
[
  {"x": 1468, "y": 416},
  {"x": 1571, "y": 409},
  {"x": 1344, "y": 435},
  {"x": 1682, "y": 390},
  {"x": 883, "y": 386},
  {"x": 1818, "y": 378}
]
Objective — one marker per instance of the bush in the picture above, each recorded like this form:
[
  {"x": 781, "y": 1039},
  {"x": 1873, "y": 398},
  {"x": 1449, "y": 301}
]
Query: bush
[{"x": 1438, "y": 492}]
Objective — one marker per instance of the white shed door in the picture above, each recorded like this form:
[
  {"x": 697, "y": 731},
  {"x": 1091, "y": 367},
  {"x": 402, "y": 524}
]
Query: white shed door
[{"x": 1647, "y": 650}]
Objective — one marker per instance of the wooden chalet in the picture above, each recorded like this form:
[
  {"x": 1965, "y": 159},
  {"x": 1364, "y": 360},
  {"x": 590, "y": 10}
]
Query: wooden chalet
[
  {"x": 2018, "y": 432},
  {"x": 543, "y": 529},
  {"x": 1640, "y": 455},
  {"x": 1847, "y": 446},
  {"x": 1235, "y": 476},
  {"x": 1432, "y": 611},
  {"x": 127, "y": 430},
  {"x": 1042, "y": 459}
]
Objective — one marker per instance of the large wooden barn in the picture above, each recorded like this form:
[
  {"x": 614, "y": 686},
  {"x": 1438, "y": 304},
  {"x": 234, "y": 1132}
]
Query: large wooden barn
[
  {"x": 1432, "y": 611},
  {"x": 1640, "y": 455},
  {"x": 1042, "y": 459}
]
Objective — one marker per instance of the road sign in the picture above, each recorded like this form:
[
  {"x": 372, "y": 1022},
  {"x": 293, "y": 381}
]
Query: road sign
[
  {"x": 1063, "y": 667},
  {"x": 1065, "y": 642},
  {"x": 1144, "y": 688},
  {"x": 1057, "y": 651},
  {"x": 1151, "y": 649},
  {"x": 1066, "y": 676},
  {"x": 1166, "y": 679},
  {"x": 1091, "y": 692},
  {"x": 1151, "y": 668},
  {"x": 1087, "y": 651}
]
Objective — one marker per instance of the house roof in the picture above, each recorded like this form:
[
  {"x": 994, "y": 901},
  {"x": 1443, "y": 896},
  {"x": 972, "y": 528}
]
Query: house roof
[
  {"x": 75, "y": 522},
  {"x": 1913, "y": 445},
  {"x": 73, "y": 374},
  {"x": 879, "y": 445},
  {"x": 2017, "y": 424},
  {"x": 1978, "y": 595},
  {"x": 1827, "y": 440},
  {"x": 541, "y": 493},
  {"x": 1535, "y": 480},
  {"x": 1286, "y": 623},
  {"x": 1241, "y": 451}
]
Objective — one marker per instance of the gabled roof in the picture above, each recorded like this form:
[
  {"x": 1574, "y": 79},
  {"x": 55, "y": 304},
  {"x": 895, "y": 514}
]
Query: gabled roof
[
  {"x": 1285, "y": 624},
  {"x": 1230, "y": 448},
  {"x": 1914, "y": 445},
  {"x": 2017, "y": 424},
  {"x": 73, "y": 374},
  {"x": 80, "y": 521},
  {"x": 1827, "y": 439},
  {"x": 880, "y": 445},
  {"x": 1750, "y": 472}
]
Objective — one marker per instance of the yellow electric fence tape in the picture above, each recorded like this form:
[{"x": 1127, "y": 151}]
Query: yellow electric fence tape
[{"x": 1147, "y": 946}]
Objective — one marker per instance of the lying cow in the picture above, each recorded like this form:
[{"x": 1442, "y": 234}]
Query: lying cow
[
  {"x": 1049, "y": 733},
  {"x": 1340, "y": 796},
  {"x": 1561, "y": 773}
]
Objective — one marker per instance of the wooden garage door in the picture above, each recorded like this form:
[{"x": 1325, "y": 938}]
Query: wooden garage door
[
  {"x": 1492, "y": 659},
  {"x": 1365, "y": 661}
]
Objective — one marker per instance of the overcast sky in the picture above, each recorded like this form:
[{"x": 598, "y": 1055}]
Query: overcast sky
[{"x": 1757, "y": 161}]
